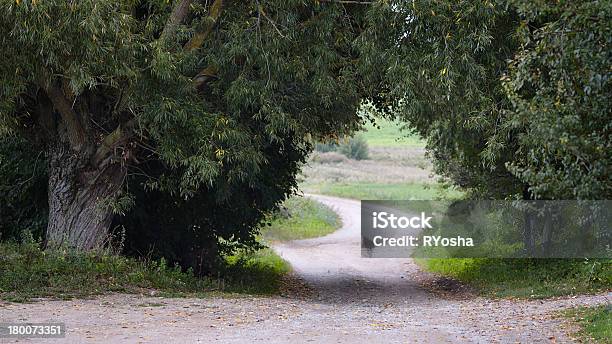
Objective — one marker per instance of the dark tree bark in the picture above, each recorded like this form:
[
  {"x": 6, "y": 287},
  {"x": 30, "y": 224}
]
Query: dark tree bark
[
  {"x": 79, "y": 196},
  {"x": 547, "y": 231},
  {"x": 528, "y": 226}
]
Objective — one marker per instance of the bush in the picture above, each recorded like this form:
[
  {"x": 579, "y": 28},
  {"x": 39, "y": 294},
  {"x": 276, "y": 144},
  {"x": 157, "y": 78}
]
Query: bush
[
  {"x": 355, "y": 147},
  {"x": 217, "y": 220},
  {"x": 23, "y": 189}
]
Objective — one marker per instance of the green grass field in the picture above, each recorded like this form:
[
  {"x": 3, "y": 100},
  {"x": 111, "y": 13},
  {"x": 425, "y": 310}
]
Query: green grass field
[
  {"x": 595, "y": 323},
  {"x": 384, "y": 191},
  {"x": 396, "y": 169},
  {"x": 388, "y": 133}
]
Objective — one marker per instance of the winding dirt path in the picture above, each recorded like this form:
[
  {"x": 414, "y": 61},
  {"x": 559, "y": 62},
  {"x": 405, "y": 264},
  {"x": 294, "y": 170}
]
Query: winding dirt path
[{"x": 355, "y": 300}]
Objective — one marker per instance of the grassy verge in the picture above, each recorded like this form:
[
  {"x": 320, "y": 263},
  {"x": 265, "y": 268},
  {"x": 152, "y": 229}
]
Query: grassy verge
[
  {"x": 27, "y": 272},
  {"x": 259, "y": 272},
  {"x": 382, "y": 191},
  {"x": 526, "y": 278},
  {"x": 595, "y": 323},
  {"x": 301, "y": 218}
]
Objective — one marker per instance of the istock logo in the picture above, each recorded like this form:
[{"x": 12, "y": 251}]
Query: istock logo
[{"x": 385, "y": 220}]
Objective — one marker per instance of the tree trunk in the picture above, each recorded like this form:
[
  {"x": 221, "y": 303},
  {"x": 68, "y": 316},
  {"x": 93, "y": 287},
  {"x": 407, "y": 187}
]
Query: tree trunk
[
  {"x": 79, "y": 196},
  {"x": 547, "y": 232},
  {"x": 528, "y": 224},
  {"x": 528, "y": 228}
]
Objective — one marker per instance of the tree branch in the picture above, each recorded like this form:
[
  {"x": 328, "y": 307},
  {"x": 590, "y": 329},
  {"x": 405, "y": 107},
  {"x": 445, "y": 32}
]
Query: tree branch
[
  {"x": 200, "y": 36},
  {"x": 204, "y": 76},
  {"x": 180, "y": 12},
  {"x": 176, "y": 18},
  {"x": 263, "y": 13},
  {"x": 76, "y": 133},
  {"x": 112, "y": 140},
  {"x": 198, "y": 40}
]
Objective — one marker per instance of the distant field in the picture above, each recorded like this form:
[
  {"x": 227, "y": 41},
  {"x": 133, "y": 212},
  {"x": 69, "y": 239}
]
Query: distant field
[
  {"x": 396, "y": 168},
  {"x": 378, "y": 191},
  {"x": 390, "y": 134}
]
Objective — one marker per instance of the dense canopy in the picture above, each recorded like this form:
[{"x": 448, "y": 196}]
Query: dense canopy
[{"x": 186, "y": 109}]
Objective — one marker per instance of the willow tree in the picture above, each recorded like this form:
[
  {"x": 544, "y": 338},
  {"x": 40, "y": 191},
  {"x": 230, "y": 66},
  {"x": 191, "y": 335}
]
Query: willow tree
[
  {"x": 102, "y": 86},
  {"x": 511, "y": 95}
]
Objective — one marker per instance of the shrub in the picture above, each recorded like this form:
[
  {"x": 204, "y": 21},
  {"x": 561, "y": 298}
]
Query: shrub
[
  {"x": 23, "y": 189},
  {"x": 216, "y": 221},
  {"x": 355, "y": 148}
]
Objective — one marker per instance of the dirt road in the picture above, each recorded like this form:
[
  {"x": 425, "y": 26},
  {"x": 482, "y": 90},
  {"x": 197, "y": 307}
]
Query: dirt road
[{"x": 355, "y": 300}]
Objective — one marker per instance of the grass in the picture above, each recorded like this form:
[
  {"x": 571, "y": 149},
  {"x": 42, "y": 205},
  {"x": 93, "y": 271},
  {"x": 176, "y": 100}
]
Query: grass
[
  {"x": 388, "y": 133},
  {"x": 396, "y": 169},
  {"x": 27, "y": 272},
  {"x": 259, "y": 272},
  {"x": 595, "y": 323},
  {"x": 526, "y": 278},
  {"x": 383, "y": 191},
  {"x": 301, "y": 218}
]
